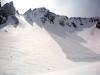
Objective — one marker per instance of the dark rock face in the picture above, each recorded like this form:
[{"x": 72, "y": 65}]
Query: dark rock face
[
  {"x": 7, "y": 10},
  {"x": 74, "y": 25},
  {"x": 2, "y": 19},
  {"x": 46, "y": 15},
  {"x": 0, "y": 4},
  {"x": 61, "y": 22},
  {"x": 98, "y": 25},
  {"x": 51, "y": 17},
  {"x": 16, "y": 21},
  {"x": 27, "y": 15}
]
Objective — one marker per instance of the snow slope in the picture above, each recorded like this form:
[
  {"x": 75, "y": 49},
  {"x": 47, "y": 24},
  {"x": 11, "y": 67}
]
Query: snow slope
[
  {"x": 92, "y": 69},
  {"x": 27, "y": 50}
]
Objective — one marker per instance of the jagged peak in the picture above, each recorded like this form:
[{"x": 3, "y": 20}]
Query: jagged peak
[
  {"x": 7, "y": 10},
  {"x": 45, "y": 16}
]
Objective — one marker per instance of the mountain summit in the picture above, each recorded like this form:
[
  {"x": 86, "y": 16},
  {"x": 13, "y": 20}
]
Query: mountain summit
[
  {"x": 44, "y": 16},
  {"x": 7, "y": 10}
]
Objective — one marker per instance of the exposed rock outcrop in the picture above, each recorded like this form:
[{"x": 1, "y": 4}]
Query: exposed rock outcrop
[
  {"x": 98, "y": 25},
  {"x": 7, "y": 10}
]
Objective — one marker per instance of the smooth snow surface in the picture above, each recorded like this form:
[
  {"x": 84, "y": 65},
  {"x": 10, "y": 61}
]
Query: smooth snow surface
[{"x": 35, "y": 50}]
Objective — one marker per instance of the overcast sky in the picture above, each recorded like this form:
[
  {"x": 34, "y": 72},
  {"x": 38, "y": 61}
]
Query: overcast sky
[{"x": 85, "y": 8}]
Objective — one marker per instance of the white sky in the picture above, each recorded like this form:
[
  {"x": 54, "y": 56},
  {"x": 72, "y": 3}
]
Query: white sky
[{"x": 63, "y": 7}]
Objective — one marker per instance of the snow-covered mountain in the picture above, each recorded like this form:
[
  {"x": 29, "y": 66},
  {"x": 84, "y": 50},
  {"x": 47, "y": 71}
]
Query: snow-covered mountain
[
  {"x": 44, "y": 16},
  {"x": 40, "y": 42},
  {"x": 63, "y": 29}
]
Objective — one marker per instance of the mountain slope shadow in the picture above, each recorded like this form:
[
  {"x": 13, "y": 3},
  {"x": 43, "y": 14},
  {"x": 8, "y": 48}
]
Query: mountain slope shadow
[
  {"x": 68, "y": 41},
  {"x": 70, "y": 44}
]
